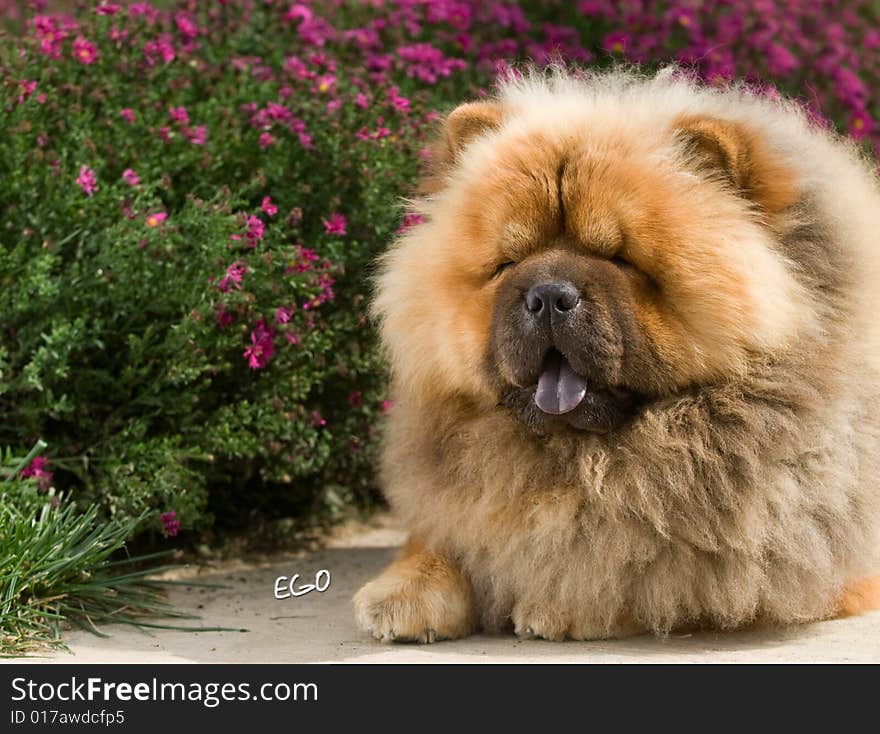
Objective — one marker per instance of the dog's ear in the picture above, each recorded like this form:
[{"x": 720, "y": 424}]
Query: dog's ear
[
  {"x": 738, "y": 155},
  {"x": 459, "y": 128}
]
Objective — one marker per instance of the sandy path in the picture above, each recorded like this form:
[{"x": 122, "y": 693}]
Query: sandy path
[{"x": 318, "y": 627}]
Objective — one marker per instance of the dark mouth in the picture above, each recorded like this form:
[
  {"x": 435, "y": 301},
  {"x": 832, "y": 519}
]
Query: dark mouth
[{"x": 564, "y": 398}]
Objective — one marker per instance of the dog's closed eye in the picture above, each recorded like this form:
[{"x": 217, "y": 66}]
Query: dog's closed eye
[{"x": 501, "y": 268}]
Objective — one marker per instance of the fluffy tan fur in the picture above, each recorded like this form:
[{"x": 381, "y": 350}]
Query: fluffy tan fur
[{"x": 746, "y": 490}]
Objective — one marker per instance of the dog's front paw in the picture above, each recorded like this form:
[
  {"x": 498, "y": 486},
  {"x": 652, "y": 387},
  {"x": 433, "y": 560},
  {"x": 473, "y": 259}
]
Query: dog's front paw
[
  {"x": 531, "y": 622},
  {"x": 541, "y": 621},
  {"x": 420, "y": 598}
]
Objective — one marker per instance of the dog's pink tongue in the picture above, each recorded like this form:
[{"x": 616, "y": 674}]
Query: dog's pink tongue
[{"x": 560, "y": 388}]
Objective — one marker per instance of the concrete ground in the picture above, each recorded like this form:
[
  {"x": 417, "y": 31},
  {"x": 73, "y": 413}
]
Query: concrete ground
[{"x": 318, "y": 627}]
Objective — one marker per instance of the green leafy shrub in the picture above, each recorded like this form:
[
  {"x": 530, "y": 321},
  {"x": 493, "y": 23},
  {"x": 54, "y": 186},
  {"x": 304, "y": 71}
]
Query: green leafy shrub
[{"x": 56, "y": 564}]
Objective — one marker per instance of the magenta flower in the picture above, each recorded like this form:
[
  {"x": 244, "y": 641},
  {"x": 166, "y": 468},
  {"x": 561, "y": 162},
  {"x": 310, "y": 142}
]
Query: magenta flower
[
  {"x": 356, "y": 399},
  {"x": 282, "y": 315},
  {"x": 387, "y": 405},
  {"x": 410, "y": 219},
  {"x": 255, "y": 229},
  {"x": 861, "y": 125},
  {"x": 234, "y": 275},
  {"x": 27, "y": 89},
  {"x": 401, "y": 104},
  {"x": 179, "y": 114},
  {"x": 336, "y": 224},
  {"x": 262, "y": 347},
  {"x": 108, "y": 8},
  {"x": 127, "y": 114},
  {"x": 50, "y": 35},
  {"x": 188, "y": 29},
  {"x": 130, "y": 177},
  {"x": 224, "y": 318},
  {"x": 780, "y": 61},
  {"x": 87, "y": 180},
  {"x": 324, "y": 83},
  {"x": 616, "y": 42},
  {"x": 160, "y": 48},
  {"x": 84, "y": 50},
  {"x": 317, "y": 420},
  {"x": 156, "y": 218},
  {"x": 268, "y": 207},
  {"x": 298, "y": 12},
  {"x": 197, "y": 135},
  {"x": 266, "y": 140},
  {"x": 426, "y": 62},
  {"x": 38, "y": 469},
  {"x": 143, "y": 10},
  {"x": 170, "y": 523}
]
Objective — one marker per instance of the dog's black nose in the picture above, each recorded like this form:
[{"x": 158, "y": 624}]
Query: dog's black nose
[{"x": 552, "y": 300}]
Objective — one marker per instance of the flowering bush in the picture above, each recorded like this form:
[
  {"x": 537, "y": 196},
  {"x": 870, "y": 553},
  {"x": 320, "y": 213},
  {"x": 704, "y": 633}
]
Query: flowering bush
[{"x": 192, "y": 195}]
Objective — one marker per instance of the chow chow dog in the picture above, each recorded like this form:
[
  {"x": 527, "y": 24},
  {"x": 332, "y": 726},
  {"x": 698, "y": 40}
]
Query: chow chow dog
[{"x": 634, "y": 354}]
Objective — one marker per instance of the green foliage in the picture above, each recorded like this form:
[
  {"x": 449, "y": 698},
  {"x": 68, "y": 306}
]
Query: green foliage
[{"x": 56, "y": 566}]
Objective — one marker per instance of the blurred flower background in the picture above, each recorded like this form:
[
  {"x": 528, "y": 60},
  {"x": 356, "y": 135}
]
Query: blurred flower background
[{"x": 192, "y": 194}]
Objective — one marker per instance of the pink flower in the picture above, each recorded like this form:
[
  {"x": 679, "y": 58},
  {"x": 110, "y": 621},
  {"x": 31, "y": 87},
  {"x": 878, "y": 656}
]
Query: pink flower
[
  {"x": 387, "y": 405},
  {"x": 356, "y": 399},
  {"x": 27, "y": 89},
  {"x": 282, "y": 315},
  {"x": 324, "y": 83},
  {"x": 127, "y": 114},
  {"x": 861, "y": 125},
  {"x": 37, "y": 469},
  {"x": 266, "y": 140},
  {"x": 170, "y": 523},
  {"x": 156, "y": 218},
  {"x": 317, "y": 420},
  {"x": 262, "y": 347},
  {"x": 335, "y": 225},
  {"x": 159, "y": 48},
  {"x": 197, "y": 135},
  {"x": 361, "y": 100},
  {"x": 84, "y": 50},
  {"x": 616, "y": 42},
  {"x": 130, "y": 177},
  {"x": 268, "y": 207},
  {"x": 143, "y": 10},
  {"x": 188, "y": 29},
  {"x": 298, "y": 12},
  {"x": 399, "y": 103},
  {"x": 255, "y": 229},
  {"x": 87, "y": 180},
  {"x": 234, "y": 275},
  {"x": 108, "y": 9},
  {"x": 410, "y": 219},
  {"x": 224, "y": 318},
  {"x": 427, "y": 63},
  {"x": 780, "y": 61},
  {"x": 179, "y": 114},
  {"x": 49, "y": 34}
]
